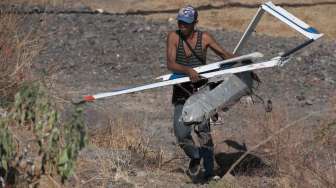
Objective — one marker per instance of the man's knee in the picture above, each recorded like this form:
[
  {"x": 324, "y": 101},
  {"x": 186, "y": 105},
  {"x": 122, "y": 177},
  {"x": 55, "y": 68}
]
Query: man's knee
[
  {"x": 190, "y": 150},
  {"x": 183, "y": 138}
]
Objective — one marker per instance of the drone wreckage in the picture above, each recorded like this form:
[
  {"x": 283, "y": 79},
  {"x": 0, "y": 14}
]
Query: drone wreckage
[{"x": 233, "y": 80}]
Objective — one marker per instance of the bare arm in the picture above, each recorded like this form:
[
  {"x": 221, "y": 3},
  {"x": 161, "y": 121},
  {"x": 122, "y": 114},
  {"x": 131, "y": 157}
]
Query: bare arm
[
  {"x": 211, "y": 42},
  {"x": 171, "y": 58}
]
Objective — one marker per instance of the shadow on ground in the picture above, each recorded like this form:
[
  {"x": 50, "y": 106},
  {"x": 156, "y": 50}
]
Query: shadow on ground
[{"x": 251, "y": 165}]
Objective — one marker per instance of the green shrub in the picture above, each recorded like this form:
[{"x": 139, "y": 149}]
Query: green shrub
[{"x": 53, "y": 145}]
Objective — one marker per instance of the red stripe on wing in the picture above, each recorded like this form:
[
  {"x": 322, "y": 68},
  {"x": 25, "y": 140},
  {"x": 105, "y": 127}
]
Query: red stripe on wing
[{"x": 89, "y": 98}]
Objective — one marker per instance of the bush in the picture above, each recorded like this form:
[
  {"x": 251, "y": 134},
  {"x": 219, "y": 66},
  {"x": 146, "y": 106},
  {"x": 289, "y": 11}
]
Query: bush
[{"x": 35, "y": 141}]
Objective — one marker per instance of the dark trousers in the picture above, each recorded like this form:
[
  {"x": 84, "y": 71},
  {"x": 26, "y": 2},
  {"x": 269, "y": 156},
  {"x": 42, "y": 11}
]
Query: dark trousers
[{"x": 185, "y": 140}]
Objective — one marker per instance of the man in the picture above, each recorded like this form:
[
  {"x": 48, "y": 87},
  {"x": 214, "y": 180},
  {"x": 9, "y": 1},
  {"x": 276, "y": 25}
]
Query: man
[{"x": 186, "y": 49}]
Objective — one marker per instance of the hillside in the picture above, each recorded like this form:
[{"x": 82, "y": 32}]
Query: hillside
[{"x": 131, "y": 138}]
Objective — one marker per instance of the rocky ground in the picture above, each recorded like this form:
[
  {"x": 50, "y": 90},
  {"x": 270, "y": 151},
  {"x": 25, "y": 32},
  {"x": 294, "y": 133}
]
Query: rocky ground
[{"x": 90, "y": 53}]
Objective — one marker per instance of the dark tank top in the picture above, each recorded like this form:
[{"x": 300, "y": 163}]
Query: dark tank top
[{"x": 182, "y": 91}]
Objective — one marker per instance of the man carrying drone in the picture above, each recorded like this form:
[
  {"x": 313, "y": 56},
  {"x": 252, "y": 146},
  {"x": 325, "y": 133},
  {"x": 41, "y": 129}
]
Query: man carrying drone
[
  {"x": 196, "y": 101},
  {"x": 186, "y": 49}
]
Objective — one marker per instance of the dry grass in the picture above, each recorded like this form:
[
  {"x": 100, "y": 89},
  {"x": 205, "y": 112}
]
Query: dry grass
[
  {"x": 237, "y": 19},
  {"x": 35, "y": 2},
  {"x": 234, "y": 18},
  {"x": 300, "y": 149},
  {"x": 302, "y": 152},
  {"x": 128, "y": 5},
  {"x": 118, "y": 148},
  {"x": 17, "y": 52},
  {"x": 100, "y": 171},
  {"x": 119, "y": 134},
  {"x": 125, "y": 134}
]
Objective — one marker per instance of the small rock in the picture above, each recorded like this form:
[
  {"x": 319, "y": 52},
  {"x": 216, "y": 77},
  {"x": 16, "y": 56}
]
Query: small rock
[
  {"x": 132, "y": 172},
  {"x": 138, "y": 30},
  {"x": 37, "y": 9},
  {"x": 118, "y": 67},
  {"x": 309, "y": 102},
  {"x": 300, "y": 97},
  {"x": 171, "y": 19},
  {"x": 99, "y": 10},
  {"x": 3, "y": 113},
  {"x": 147, "y": 28}
]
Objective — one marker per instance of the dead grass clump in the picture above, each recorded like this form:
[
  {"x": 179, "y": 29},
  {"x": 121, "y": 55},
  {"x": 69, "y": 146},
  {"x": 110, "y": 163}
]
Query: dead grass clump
[
  {"x": 124, "y": 134},
  {"x": 116, "y": 152},
  {"x": 120, "y": 134},
  {"x": 17, "y": 51}
]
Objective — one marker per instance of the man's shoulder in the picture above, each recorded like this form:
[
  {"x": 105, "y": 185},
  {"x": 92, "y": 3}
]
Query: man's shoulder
[
  {"x": 207, "y": 37},
  {"x": 206, "y": 34},
  {"x": 172, "y": 34},
  {"x": 173, "y": 37}
]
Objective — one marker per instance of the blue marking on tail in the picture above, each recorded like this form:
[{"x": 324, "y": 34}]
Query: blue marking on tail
[{"x": 310, "y": 29}]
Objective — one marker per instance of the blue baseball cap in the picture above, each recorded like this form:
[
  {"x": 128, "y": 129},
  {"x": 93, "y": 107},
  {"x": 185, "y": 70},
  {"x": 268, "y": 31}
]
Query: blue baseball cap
[{"x": 187, "y": 14}]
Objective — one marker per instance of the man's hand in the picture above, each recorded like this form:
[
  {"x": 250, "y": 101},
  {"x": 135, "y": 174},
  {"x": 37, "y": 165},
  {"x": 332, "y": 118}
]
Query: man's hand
[{"x": 193, "y": 75}]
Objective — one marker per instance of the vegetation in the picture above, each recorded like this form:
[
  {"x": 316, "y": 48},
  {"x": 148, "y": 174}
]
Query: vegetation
[
  {"x": 34, "y": 140},
  {"x": 44, "y": 145}
]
